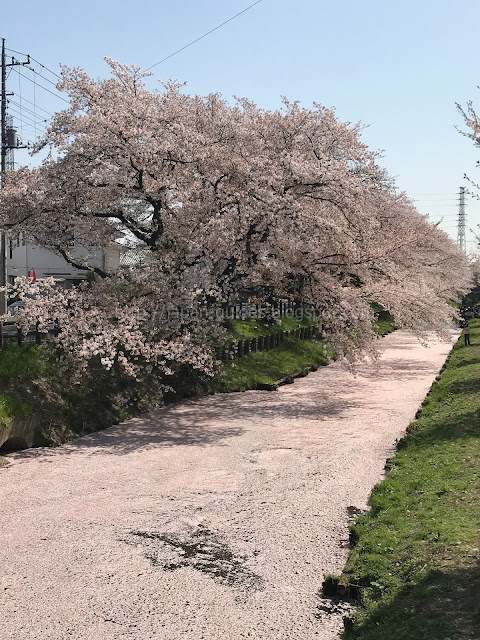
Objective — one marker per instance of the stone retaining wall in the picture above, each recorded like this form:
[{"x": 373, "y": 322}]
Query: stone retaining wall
[{"x": 20, "y": 433}]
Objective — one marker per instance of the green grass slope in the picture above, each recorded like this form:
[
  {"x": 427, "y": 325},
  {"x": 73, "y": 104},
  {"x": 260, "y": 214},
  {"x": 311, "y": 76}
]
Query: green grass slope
[
  {"x": 17, "y": 366},
  {"x": 292, "y": 358},
  {"x": 29, "y": 377},
  {"x": 251, "y": 328}
]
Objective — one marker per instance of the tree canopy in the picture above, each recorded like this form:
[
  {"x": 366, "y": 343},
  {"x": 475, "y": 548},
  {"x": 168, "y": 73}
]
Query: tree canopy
[{"x": 222, "y": 198}]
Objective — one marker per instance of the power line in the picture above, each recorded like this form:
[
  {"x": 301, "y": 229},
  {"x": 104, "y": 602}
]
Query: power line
[
  {"x": 34, "y": 126},
  {"x": 47, "y": 69},
  {"x": 204, "y": 36},
  {"x": 10, "y": 101},
  {"x": 43, "y": 77},
  {"x": 32, "y": 122},
  {"x": 442, "y": 217},
  {"x": 36, "y": 105},
  {"x": 19, "y": 53},
  {"x": 41, "y": 85},
  {"x": 23, "y": 99},
  {"x": 27, "y": 126}
]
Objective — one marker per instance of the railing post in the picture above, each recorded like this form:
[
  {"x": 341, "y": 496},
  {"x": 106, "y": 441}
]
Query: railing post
[
  {"x": 38, "y": 336},
  {"x": 19, "y": 337},
  {"x": 1, "y": 335}
]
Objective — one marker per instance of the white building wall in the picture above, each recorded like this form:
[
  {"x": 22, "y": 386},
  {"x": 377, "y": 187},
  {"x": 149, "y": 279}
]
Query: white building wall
[{"x": 23, "y": 256}]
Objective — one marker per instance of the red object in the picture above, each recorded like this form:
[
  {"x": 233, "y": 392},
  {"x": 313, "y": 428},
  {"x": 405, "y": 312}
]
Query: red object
[{"x": 32, "y": 274}]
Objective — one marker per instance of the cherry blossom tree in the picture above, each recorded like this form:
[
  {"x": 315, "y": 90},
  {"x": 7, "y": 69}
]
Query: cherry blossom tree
[{"x": 221, "y": 198}]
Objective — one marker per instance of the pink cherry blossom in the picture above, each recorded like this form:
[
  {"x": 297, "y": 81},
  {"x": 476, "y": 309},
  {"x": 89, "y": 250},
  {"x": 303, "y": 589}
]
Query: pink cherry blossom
[{"x": 220, "y": 198}]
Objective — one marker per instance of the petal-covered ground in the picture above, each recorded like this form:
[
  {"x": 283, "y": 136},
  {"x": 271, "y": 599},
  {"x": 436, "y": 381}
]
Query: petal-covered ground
[{"x": 213, "y": 519}]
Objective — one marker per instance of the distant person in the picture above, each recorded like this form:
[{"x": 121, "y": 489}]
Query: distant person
[{"x": 466, "y": 333}]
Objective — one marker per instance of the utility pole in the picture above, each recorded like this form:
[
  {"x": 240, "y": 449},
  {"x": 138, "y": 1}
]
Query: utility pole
[
  {"x": 461, "y": 241},
  {"x": 3, "y": 253},
  {"x": 5, "y": 147}
]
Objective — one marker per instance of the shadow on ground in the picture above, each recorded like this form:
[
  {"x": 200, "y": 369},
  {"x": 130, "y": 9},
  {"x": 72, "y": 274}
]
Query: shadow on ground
[
  {"x": 398, "y": 369},
  {"x": 467, "y": 362},
  {"x": 445, "y": 430},
  {"x": 441, "y": 606},
  {"x": 464, "y": 386},
  {"x": 196, "y": 422}
]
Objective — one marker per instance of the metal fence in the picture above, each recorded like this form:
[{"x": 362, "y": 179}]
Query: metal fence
[
  {"x": 240, "y": 348},
  {"x": 10, "y": 332}
]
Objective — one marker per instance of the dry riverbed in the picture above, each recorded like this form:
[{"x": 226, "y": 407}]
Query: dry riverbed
[{"x": 214, "y": 519}]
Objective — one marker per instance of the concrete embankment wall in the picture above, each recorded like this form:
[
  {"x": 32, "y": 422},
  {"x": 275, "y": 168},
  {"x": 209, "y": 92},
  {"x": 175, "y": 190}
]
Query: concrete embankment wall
[{"x": 20, "y": 433}]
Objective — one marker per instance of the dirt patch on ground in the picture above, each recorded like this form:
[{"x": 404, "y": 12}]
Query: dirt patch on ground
[{"x": 200, "y": 549}]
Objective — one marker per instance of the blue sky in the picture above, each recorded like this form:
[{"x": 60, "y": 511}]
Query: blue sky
[{"x": 397, "y": 66}]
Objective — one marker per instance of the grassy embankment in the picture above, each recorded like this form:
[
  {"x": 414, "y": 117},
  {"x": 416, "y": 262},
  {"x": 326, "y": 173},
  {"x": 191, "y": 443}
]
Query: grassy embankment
[
  {"x": 29, "y": 381},
  {"x": 17, "y": 365},
  {"x": 292, "y": 358},
  {"x": 28, "y": 376},
  {"x": 416, "y": 554}
]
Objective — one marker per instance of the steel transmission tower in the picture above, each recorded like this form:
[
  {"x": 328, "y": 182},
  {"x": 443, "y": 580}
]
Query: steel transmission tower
[{"x": 461, "y": 241}]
